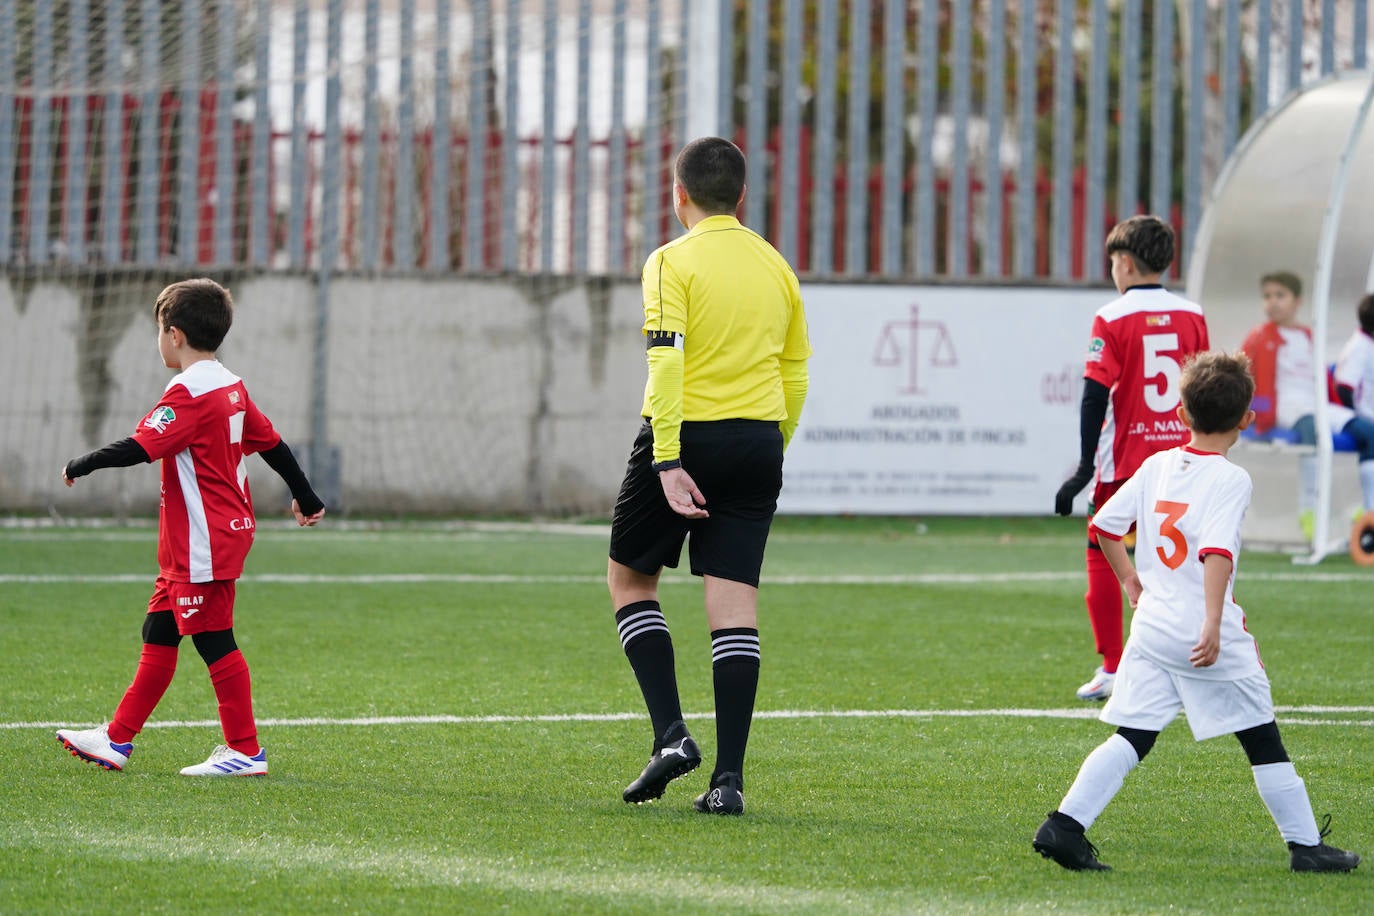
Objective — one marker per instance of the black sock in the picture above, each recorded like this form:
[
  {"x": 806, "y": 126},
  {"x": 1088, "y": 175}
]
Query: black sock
[
  {"x": 735, "y": 670},
  {"x": 649, "y": 647}
]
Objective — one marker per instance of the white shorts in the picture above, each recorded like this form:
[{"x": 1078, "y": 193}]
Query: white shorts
[{"x": 1148, "y": 696}]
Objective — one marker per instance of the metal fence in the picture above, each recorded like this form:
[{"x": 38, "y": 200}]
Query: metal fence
[{"x": 914, "y": 139}]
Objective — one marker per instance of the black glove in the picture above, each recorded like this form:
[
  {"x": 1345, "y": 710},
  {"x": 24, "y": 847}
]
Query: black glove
[{"x": 1063, "y": 500}]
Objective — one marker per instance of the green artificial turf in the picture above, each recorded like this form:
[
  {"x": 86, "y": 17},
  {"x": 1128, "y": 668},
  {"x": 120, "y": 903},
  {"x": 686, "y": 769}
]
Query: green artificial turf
[{"x": 450, "y": 720}]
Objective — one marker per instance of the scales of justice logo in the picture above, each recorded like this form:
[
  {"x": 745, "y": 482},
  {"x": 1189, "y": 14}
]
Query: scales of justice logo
[{"x": 911, "y": 346}]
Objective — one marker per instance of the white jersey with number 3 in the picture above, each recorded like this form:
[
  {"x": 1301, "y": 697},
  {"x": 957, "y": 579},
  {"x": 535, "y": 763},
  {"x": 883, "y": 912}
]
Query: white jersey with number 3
[{"x": 1185, "y": 504}]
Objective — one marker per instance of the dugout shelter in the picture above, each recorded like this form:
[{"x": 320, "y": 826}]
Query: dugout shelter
[{"x": 1296, "y": 194}]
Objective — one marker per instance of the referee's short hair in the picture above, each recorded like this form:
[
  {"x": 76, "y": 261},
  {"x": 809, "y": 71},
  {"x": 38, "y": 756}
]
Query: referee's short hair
[
  {"x": 1216, "y": 389},
  {"x": 711, "y": 171}
]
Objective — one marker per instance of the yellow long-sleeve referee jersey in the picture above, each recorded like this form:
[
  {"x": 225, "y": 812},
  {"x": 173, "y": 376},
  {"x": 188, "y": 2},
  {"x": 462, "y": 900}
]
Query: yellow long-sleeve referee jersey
[{"x": 738, "y": 307}]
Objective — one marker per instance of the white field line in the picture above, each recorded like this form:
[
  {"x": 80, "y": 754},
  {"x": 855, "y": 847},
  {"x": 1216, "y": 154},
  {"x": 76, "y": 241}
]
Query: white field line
[
  {"x": 1006, "y": 578},
  {"x": 144, "y": 529},
  {"x": 1285, "y": 713},
  {"x": 525, "y": 579},
  {"x": 450, "y": 532}
]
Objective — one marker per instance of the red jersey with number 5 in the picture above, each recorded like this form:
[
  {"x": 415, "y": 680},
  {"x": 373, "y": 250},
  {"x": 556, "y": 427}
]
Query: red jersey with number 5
[
  {"x": 1139, "y": 342},
  {"x": 202, "y": 428}
]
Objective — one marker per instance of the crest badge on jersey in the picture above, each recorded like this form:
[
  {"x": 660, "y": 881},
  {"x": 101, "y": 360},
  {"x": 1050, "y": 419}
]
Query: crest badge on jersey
[{"x": 160, "y": 419}]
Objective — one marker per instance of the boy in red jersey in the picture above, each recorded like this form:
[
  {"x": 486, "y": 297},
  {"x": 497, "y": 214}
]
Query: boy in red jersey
[
  {"x": 202, "y": 428},
  {"x": 1189, "y": 648},
  {"x": 1130, "y": 394}
]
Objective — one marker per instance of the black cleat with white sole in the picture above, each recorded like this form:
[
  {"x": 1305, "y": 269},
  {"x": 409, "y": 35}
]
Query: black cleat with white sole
[{"x": 676, "y": 754}]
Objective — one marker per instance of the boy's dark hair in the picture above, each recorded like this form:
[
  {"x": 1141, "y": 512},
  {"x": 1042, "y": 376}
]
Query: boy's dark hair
[
  {"x": 711, "y": 171},
  {"x": 1216, "y": 389},
  {"x": 1285, "y": 278},
  {"x": 201, "y": 309},
  {"x": 1365, "y": 312},
  {"x": 1149, "y": 241}
]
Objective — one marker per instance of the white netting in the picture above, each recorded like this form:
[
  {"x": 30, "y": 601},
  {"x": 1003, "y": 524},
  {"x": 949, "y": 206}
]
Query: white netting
[{"x": 142, "y": 142}]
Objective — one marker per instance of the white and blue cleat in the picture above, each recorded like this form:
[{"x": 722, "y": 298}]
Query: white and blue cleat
[
  {"x": 94, "y": 745},
  {"x": 1099, "y": 687},
  {"x": 225, "y": 761}
]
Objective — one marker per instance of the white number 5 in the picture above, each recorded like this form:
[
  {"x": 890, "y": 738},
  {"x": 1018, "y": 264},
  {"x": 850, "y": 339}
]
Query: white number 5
[
  {"x": 1162, "y": 396},
  {"x": 236, "y": 438}
]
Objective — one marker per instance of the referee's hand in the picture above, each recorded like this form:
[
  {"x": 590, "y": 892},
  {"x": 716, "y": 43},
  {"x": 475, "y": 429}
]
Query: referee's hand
[{"x": 682, "y": 493}]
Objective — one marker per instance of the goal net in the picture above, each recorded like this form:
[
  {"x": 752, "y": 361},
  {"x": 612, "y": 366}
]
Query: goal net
[{"x": 357, "y": 172}]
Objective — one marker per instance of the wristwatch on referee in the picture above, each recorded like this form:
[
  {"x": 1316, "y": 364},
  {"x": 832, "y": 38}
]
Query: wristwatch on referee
[{"x": 659, "y": 467}]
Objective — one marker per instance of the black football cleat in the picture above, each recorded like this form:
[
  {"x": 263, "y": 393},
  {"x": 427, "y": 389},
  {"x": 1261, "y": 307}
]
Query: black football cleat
[
  {"x": 1321, "y": 857},
  {"x": 672, "y": 757},
  {"x": 1070, "y": 848},
  {"x": 726, "y": 796}
]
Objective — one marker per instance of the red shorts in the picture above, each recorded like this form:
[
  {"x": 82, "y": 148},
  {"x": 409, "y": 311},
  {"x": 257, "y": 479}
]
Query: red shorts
[{"x": 199, "y": 607}]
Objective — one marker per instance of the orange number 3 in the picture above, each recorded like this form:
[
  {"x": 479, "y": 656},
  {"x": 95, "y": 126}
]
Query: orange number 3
[{"x": 1172, "y": 512}]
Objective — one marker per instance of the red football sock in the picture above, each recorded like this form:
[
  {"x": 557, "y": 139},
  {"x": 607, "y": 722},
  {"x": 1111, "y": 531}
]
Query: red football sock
[
  {"x": 1106, "y": 606},
  {"x": 156, "y": 666},
  {"x": 234, "y": 690}
]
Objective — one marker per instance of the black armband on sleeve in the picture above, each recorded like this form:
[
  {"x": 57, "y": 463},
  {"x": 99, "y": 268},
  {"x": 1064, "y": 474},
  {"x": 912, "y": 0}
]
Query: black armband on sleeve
[
  {"x": 280, "y": 459},
  {"x": 662, "y": 339},
  {"x": 122, "y": 454},
  {"x": 1092, "y": 413}
]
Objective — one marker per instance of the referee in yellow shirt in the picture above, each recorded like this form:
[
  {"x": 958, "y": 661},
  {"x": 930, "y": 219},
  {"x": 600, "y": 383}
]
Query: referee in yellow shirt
[{"x": 727, "y": 347}]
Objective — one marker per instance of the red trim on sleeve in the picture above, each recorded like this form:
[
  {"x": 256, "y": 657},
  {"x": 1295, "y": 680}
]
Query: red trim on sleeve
[
  {"x": 1105, "y": 534},
  {"x": 1218, "y": 551}
]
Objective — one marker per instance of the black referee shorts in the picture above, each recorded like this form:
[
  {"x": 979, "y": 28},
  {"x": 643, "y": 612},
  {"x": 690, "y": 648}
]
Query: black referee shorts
[{"x": 737, "y": 465}]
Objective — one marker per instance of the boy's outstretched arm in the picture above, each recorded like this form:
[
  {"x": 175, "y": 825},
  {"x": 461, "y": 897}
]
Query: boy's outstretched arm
[
  {"x": 305, "y": 505},
  {"x": 122, "y": 454},
  {"x": 1216, "y": 573}
]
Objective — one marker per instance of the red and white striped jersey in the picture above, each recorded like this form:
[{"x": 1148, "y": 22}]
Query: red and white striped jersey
[
  {"x": 1185, "y": 505},
  {"x": 1139, "y": 342},
  {"x": 202, "y": 428}
]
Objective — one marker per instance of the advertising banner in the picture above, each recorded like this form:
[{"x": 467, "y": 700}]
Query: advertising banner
[{"x": 940, "y": 400}]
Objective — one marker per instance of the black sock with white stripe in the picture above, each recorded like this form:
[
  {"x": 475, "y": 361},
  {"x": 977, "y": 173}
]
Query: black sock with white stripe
[
  {"x": 735, "y": 670},
  {"x": 648, "y": 645}
]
